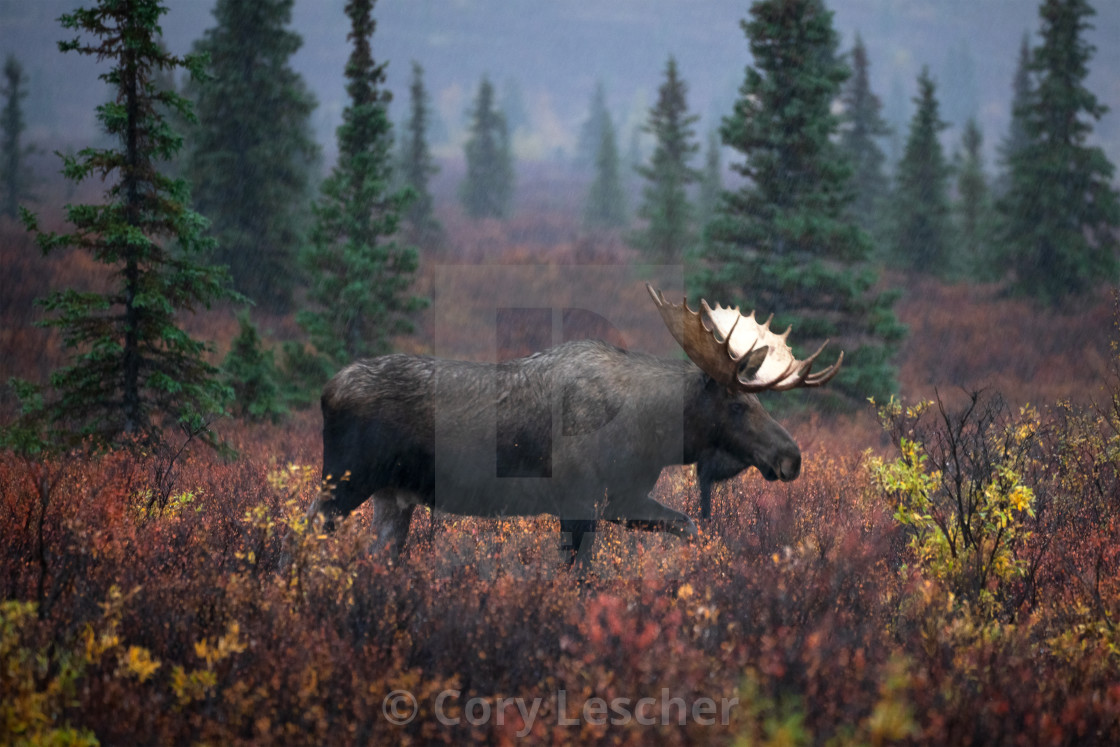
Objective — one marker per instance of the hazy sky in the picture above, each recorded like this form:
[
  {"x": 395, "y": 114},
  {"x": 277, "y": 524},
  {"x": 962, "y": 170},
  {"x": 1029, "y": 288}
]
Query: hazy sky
[{"x": 553, "y": 53}]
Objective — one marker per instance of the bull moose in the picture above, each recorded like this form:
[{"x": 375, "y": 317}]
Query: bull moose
[{"x": 580, "y": 431}]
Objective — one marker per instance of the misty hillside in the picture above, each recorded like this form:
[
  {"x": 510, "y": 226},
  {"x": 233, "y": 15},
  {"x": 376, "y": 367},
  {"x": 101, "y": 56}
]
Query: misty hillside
[{"x": 546, "y": 58}]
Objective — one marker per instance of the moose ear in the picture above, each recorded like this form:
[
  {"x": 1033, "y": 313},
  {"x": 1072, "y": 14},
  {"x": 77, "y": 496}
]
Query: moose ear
[{"x": 748, "y": 368}]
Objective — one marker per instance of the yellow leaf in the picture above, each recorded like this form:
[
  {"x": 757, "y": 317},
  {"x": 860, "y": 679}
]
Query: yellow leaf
[{"x": 140, "y": 662}]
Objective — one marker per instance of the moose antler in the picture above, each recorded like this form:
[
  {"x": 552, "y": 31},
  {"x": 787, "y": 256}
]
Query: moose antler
[{"x": 723, "y": 342}]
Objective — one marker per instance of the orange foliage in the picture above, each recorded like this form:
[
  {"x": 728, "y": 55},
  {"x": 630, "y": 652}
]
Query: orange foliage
[
  {"x": 969, "y": 336},
  {"x": 215, "y": 615}
]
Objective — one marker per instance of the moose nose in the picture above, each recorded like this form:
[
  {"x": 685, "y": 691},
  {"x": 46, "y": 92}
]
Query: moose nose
[{"x": 790, "y": 467}]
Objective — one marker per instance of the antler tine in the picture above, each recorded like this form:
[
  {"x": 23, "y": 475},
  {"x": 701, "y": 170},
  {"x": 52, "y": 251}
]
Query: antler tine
[
  {"x": 826, "y": 375},
  {"x": 801, "y": 375},
  {"x": 762, "y": 386},
  {"x": 708, "y": 336},
  {"x": 804, "y": 378}
]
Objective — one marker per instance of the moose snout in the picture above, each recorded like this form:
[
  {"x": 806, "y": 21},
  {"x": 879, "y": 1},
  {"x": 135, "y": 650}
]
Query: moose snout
[{"x": 789, "y": 467}]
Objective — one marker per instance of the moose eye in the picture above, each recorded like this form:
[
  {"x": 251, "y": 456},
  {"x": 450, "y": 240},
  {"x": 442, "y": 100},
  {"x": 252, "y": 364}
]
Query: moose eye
[{"x": 738, "y": 409}]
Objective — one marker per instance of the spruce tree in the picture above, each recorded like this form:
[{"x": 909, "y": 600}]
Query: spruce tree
[
  {"x": 133, "y": 370},
  {"x": 1016, "y": 138},
  {"x": 606, "y": 200},
  {"x": 711, "y": 181},
  {"x": 862, "y": 126},
  {"x": 1060, "y": 213},
  {"x": 783, "y": 241},
  {"x": 252, "y": 155},
  {"x": 487, "y": 190},
  {"x": 360, "y": 279},
  {"x": 304, "y": 371},
  {"x": 632, "y": 161},
  {"x": 14, "y": 175},
  {"x": 417, "y": 166},
  {"x": 591, "y": 131},
  {"x": 250, "y": 371},
  {"x": 669, "y": 232},
  {"x": 513, "y": 107},
  {"x": 896, "y": 111},
  {"x": 921, "y": 231},
  {"x": 973, "y": 208},
  {"x": 174, "y": 167}
]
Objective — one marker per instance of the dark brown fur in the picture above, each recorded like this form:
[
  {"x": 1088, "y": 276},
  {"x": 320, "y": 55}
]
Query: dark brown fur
[{"x": 581, "y": 431}]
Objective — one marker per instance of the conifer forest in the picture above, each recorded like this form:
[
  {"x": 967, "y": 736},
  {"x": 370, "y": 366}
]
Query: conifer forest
[{"x": 283, "y": 459}]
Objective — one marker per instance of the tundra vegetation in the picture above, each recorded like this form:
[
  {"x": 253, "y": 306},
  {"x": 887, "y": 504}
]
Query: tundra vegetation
[
  {"x": 952, "y": 579},
  {"x": 944, "y": 570}
]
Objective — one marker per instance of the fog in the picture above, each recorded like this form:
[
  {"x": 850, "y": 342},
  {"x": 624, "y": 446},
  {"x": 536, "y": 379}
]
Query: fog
[{"x": 551, "y": 55}]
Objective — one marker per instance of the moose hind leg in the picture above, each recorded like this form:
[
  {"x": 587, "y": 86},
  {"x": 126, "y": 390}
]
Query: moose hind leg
[
  {"x": 653, "y": 516},
  {"x": 392, "y": 516},
  {"x": 577, "y": 537}
]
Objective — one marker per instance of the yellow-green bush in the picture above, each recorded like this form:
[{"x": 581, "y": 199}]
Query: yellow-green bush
[
  {"x": 957, "y": 486},
  {"x": 37, "y": 682}
]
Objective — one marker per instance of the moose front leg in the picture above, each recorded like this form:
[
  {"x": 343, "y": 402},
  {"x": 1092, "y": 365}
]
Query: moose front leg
[
  {"x": 715, "y": 466},
  {"x": 705, "y": 498}
]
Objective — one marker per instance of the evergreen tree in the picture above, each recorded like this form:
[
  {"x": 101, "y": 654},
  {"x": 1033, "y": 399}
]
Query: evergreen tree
[
  {"x": 252, "y": 154},
  {"x": 14, "y": 172},
  {"x": 862, "y": 125},
  {"x": 488, "y": 188},
  {"x": 165, "y": 80},
  {"x": 304, "y": 371},
  {"x": 974, "y": 207},
  {"x": 782, "y": 242},
  {"x": 669, "y": 231},
  {"x": 591, "y": 131},
  {"x": 417, "y": 166},
  {"x": 1061, "y": 212},
  {"x": 133, "y": 370},
  {"x": 711, "y": 181},
  {"x": 896, "y": 111},
  {"x": 250, "y": 371},
  {"x": 1016, "y": 139},
  {"x": 920, "y": 215},
  {"x": 513, "y": 107},
  {"x": 632, "y": 162},
  {"x": 606, "y": 201},
  {"x": 359, "y": 278}
]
